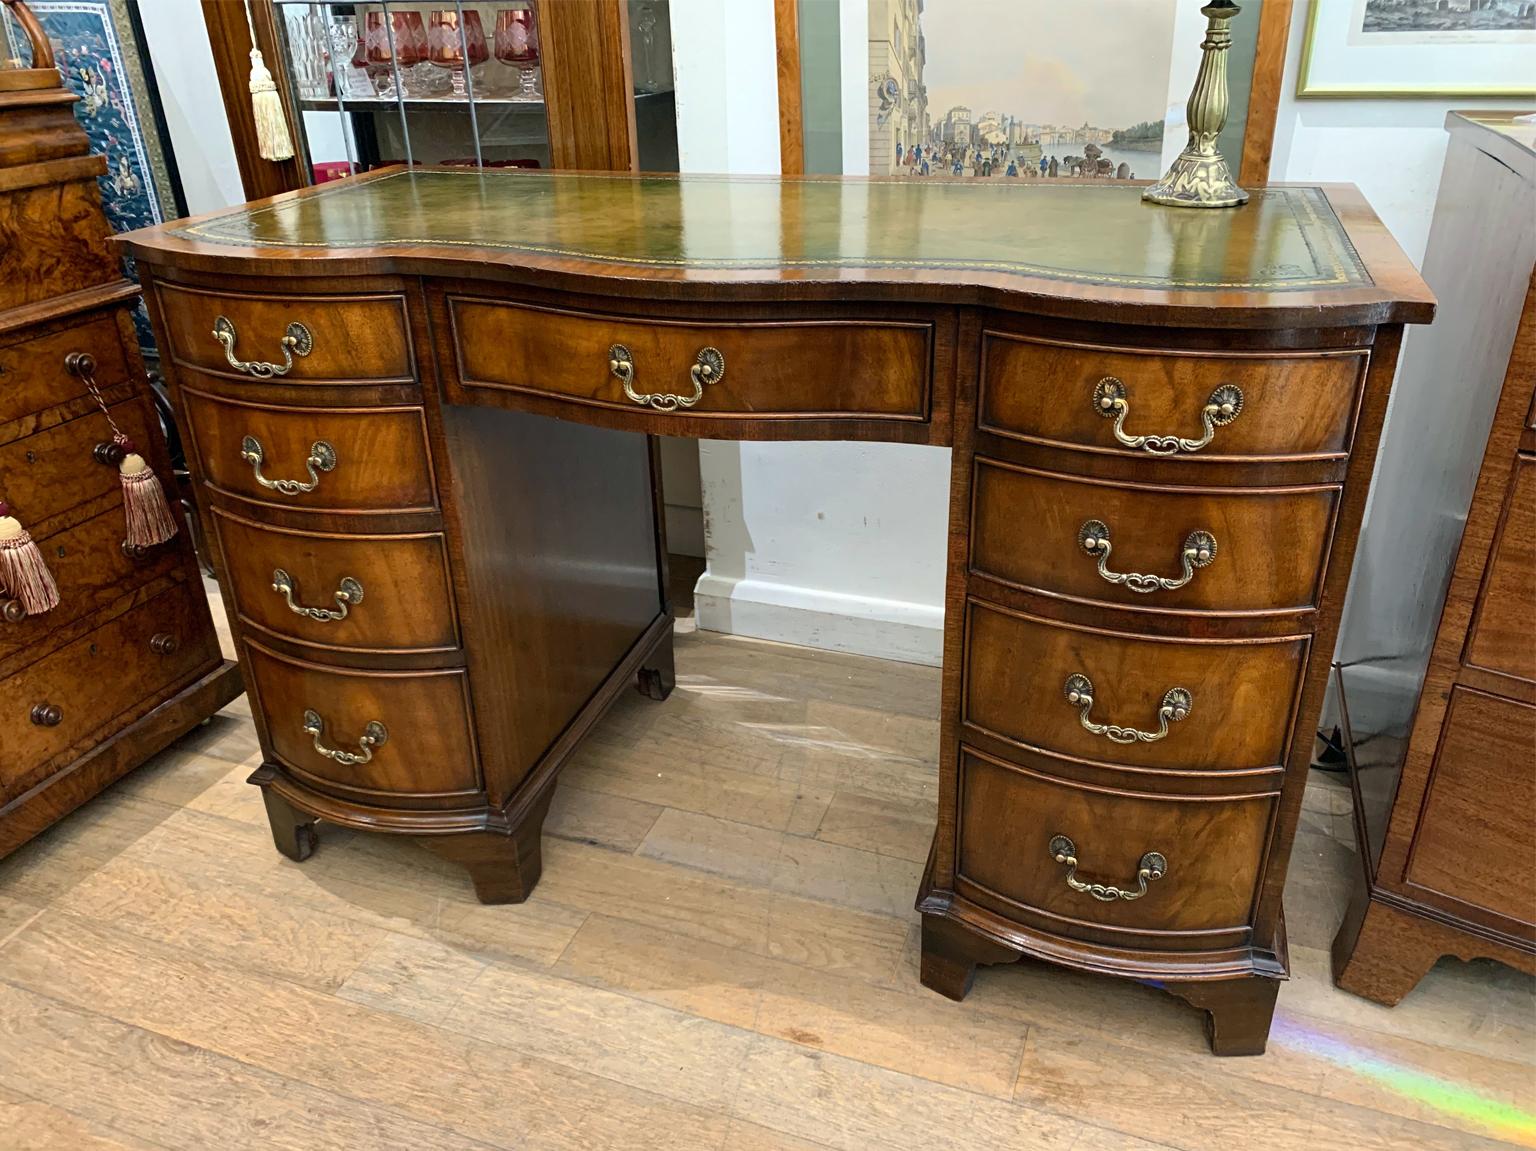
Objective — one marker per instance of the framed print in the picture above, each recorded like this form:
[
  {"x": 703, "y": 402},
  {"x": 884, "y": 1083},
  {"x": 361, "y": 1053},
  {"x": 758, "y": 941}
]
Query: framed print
[{"x": 1384, "y": 48}]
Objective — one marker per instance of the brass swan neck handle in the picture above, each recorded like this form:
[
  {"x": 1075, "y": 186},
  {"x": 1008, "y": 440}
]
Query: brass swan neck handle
[
  {"x": 296, "y": 341},
  {"x": 349, "y": 593},
  {"x": 322, "y": 458},
  {"x": 708, "y": 368},
  {"x": 374, "y": 735},
  {"x": 1152, "y": 866},
  {"x": 1176, "y": 706},
  {"x": 1198, "y": 551},
  {"x": 1111, "y": 400}
]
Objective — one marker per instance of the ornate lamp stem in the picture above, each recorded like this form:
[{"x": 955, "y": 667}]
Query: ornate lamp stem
[{"x": 1199, "y": 178}]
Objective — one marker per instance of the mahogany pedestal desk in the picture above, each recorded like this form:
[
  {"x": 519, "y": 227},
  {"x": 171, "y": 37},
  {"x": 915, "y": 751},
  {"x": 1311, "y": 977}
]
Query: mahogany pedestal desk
[{"x": 420, "y": 409}]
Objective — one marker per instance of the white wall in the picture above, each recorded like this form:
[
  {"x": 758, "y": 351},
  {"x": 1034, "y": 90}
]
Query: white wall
[
  {"x": 194, "y": 110},
  {"x": 834, "y": 545}
]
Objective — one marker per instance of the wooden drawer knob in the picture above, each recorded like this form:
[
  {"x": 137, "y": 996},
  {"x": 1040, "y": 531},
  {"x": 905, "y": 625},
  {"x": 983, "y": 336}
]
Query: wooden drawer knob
[
  {"x": 47, "y": 715},
  {"x": 109, "y": 453},
  {"x": 163, "y": 643}
]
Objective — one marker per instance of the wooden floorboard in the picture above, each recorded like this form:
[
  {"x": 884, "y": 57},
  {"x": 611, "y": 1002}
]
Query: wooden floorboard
[{"x": 721, "y": 955}]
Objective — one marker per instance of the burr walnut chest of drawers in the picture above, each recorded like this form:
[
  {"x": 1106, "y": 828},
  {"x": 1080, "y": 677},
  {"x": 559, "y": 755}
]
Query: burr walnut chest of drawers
[
  {"x": 112, "y": 654},
  {"x": 421, "y": 407}
]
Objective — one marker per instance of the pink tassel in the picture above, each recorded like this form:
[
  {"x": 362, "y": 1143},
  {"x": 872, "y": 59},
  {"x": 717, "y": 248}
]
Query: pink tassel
[
  {"x": 23, "y": 572},
  {"x": 149, "y": 516}
]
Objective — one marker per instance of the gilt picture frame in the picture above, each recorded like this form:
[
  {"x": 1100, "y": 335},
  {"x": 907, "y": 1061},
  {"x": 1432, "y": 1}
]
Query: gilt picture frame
[{"x": 1416, "y": 49}]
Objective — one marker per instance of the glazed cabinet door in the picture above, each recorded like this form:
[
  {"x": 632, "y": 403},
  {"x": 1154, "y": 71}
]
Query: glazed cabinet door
[{"x": 583, "y": 84}]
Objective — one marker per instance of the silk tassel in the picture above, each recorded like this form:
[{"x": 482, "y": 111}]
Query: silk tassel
[
  {"x": 148, "y": 515},
  {"x": 273, "y": 140},
  {"x": 24, "y": 573}
]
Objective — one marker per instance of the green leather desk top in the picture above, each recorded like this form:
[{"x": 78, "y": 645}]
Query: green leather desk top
[{"x": 1285, "y": 239}]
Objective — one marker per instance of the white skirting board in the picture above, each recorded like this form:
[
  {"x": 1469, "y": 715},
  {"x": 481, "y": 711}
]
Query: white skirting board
[{"x": 812, "y": 617}]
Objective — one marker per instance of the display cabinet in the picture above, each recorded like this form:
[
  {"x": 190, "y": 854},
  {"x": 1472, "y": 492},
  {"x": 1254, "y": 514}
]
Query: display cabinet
[{"x": 501, "y": 83}]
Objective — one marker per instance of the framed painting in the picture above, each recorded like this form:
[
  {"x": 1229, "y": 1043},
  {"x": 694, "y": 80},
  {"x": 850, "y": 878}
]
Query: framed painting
[
  {"x": 1417, "y": 48},
  {"x": 99, "y": 48}
]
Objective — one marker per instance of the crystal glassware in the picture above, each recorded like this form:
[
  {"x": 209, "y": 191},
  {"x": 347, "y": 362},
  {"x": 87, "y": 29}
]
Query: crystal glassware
[
  {"x": 447, "y": 39},
  {"x": 396, "y": 40},
  {"x": 309, "y": 53},
  {"x": 343, "y": 33},
  {"x": 517, "y": 44}
]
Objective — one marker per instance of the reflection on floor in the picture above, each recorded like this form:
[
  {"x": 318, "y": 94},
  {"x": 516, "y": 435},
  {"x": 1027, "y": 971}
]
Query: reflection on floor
[{"x": 721, "y": 954}]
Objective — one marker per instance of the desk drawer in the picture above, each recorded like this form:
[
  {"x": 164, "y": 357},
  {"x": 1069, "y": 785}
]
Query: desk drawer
[
  {"x": 794, "y": 369},
  {"x": 63, "y": 700},
  {"x": 1298, "y": 406},
  {"x": 54, "y": 470},
  {"x": 349, "y": 339},
  {"x": 92, "y": 570},
  {"x": 33, "y": 373},
  {"x": 1238, "y": 702},
  {"x": 1211, "y": 851},
  {"x": 1503, "y": 635},
  {"x": 367, "y": 460},
  {"x": 1207, "y": 550},
  {"x": 426, "y": 752},
  {"x": 346, "y": 593}
]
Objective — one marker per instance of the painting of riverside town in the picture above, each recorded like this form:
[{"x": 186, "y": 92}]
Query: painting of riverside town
[{"x": 1018, "y": 89}]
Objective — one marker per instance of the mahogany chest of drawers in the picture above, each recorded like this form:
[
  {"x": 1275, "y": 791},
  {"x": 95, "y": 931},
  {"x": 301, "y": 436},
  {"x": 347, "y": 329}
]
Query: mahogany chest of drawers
[
  {"x": 126, "y": 659},
  {"x": 1437, "y": 661},
  {"x": 422, "y": 437}
]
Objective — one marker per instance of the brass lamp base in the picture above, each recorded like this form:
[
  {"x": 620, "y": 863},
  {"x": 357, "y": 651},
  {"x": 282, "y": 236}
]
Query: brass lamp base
[
  {"x": 1199, "y": 178},
  {"x": 1197, "y": 181}
]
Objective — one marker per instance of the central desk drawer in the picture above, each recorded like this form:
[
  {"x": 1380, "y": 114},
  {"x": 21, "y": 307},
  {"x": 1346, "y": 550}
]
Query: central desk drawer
[
  {"x": 1238, "y": 697},
  {"x": 344, "y": 593},
  {"x": 314, "y": 459},
  {"x": 390, "y": 738},
  {"x": 1199, "y": 550},
  {"x": 788, "y": 369}
]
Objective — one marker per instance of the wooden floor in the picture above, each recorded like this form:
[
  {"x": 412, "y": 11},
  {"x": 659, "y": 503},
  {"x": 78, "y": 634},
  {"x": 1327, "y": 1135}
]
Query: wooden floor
[{"x": 722, "y": 954}]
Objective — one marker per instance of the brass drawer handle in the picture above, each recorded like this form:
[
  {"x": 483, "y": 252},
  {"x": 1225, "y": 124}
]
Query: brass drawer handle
[
  {"x": 1198, "y": 551},
  {"x": 708, "y": 368},
  {"x": 47, "y": 715},
  {"x": 373, "y": 736},
  {"x": 296, "y": 342},
  {"x": 348, "y": 594},
  {"x": 322, "y": 458},
  {"x": 1151, "y": 866},
  {"x": 11, "y": 610},
  {"x": 1223, "y": 406},
  {"x": 164, "y": 643},
  {"x": 1177, "y": 703}
]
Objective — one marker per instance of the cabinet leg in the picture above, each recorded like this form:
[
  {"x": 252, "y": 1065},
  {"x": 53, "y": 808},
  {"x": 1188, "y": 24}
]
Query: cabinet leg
[
  {"x": 503, "y": 867},
  {"x": 1237, "y": 1011},
  {"x": 950, "y": 956},
  {"x": 293, "y": 831},
  {"x": 1381, "y": 953},
  {"x": 658, "y": 676}
]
